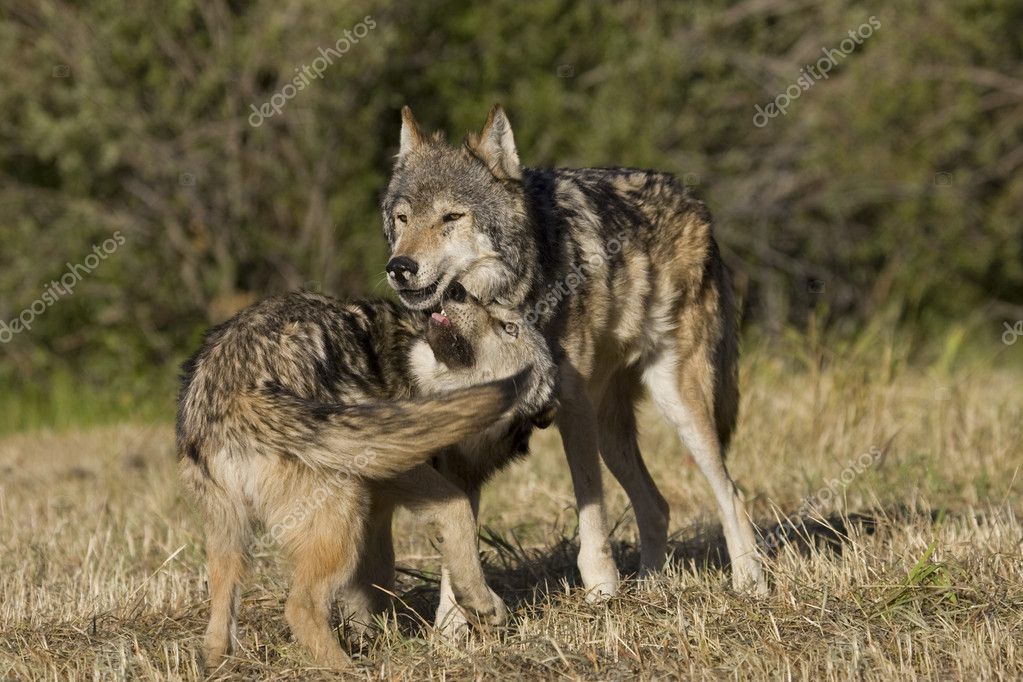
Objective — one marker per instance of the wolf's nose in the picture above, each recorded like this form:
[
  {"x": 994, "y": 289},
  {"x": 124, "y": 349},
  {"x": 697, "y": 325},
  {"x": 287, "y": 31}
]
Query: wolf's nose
[{"x": 401, "y": 268}]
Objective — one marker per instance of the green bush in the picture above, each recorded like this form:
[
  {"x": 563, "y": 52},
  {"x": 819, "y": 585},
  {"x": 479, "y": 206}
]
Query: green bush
[{"x": 892, "y": 186}]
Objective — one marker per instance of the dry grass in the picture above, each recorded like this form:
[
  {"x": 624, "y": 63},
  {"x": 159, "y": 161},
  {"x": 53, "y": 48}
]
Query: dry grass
[{"x": 914, "y": 570}]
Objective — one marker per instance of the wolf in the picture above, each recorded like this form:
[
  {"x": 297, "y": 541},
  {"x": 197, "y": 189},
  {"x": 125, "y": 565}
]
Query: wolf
[
  {"x": 304, "y": 414},
  {"x": 619, "y": 269},
  {"x": 467, "y": 343}
]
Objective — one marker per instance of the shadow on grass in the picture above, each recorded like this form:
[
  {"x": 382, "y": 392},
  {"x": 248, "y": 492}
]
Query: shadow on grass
[{"x": 529, "y": 578}]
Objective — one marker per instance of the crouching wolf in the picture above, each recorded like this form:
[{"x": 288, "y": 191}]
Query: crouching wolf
[
  {"x": 619, "y": 269},
  {"x": 301, "y": 414}
]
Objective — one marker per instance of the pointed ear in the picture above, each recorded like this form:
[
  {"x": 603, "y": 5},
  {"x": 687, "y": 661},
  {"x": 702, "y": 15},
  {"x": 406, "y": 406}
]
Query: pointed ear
[
  {"x": 411, "y": 136},
  {"x": 495, "y": 144}
]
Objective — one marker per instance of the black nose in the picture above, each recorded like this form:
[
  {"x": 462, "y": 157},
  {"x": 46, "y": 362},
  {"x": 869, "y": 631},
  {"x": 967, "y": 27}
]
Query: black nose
[
  {"x": 455, "y": 292},
  {"x": 401, "y": 268}
]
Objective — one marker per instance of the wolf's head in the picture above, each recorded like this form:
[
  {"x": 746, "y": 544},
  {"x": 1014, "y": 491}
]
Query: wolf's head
[
  {"x": 458, "y": 212},
  {"x": 467, "y": 343}
]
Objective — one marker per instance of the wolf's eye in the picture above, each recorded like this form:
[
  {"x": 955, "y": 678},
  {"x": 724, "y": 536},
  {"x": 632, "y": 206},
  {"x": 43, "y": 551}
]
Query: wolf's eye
[
  {"x": 401, "y": 218},
  {"x": 511, "y": 329},
  {"x": 452, "y": 217}
]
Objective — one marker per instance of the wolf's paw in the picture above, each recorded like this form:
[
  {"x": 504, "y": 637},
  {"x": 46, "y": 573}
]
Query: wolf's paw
[
  {"x": 748, "y": 576},
  {"x": 500, "y": 614},
  {"x": 651, "y": 563},
  {"x": 216, "y": 648},
  {"x": 601, "y": 592},
  {"x": 212, "y": 659},
  {"x": 454, "y": 622},
  {"x": 600, "y": 576},
  {"x": 332, "y": 657},
  {"x": 496, "y": 613}
]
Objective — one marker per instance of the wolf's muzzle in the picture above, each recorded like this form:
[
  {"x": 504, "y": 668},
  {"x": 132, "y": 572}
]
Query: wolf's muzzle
[{"x": 402, "y": 268}]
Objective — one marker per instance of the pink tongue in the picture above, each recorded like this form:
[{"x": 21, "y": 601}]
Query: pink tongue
[{"x": 441, "y": 319}]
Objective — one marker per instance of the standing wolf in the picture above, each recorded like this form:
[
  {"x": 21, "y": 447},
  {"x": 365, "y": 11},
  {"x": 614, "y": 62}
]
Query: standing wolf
[
  {"x": 308, "y": 415},
  {"x": 620, "y": 270}
]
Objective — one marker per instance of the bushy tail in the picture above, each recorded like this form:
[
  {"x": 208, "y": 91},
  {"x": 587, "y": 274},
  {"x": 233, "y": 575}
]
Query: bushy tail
[
  {"x": 726, "y": 356},
  {"x": 381, "y": 440}
]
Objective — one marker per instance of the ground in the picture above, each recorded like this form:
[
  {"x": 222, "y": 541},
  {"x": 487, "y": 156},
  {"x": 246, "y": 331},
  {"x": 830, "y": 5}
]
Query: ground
[{"x": 887, "y": 492}]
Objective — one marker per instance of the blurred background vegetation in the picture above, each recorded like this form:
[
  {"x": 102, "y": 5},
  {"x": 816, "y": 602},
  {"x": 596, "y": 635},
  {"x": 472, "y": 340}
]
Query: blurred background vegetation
[{"x": 888, "y": 197}]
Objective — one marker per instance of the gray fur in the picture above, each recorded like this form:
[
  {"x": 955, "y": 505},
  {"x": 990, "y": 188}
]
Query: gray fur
[
  {"x": 314, "y": 418},
  {"x": 619, "y": 270}
]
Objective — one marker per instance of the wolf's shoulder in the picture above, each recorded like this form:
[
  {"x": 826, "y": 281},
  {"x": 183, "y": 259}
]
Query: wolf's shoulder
[{"x": 618, "y": 194}]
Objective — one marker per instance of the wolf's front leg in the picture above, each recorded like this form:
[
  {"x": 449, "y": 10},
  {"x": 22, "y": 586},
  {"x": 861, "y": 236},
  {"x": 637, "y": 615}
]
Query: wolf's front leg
[
  {"x": 577, "y": 422},
  {"x": 450, "y": 619},
  {"x": 449, "y": 512}
]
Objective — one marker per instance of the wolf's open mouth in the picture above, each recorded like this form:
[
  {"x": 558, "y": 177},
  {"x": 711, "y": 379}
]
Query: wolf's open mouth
[
  {"x": 415, "y": 297},
  {"x": 449, "y": 346},
  {"x": 456, "y": 293}
]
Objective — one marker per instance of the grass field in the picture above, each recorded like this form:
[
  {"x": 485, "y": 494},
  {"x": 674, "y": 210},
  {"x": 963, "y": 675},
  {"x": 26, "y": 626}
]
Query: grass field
[{"x": 902, "y": 559}]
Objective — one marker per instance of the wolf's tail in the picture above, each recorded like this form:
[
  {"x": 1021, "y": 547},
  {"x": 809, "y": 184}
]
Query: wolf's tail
[{"x": 383, "y": 439}]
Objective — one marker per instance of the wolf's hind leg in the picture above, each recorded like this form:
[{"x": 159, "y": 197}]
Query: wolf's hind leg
[
  {"x": 682, "y": 391},
  {"x": 227, "y": 535},
  {"x": 366, "y": 595},
  {"x": 325, "y": 553},
  {"x": 620, "y": 451}
]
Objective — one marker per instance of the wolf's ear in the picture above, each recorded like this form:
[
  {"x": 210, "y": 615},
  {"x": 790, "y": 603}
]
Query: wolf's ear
[
  {"x": 411, "y": 136},
  {"x": 496, "y": 146}
]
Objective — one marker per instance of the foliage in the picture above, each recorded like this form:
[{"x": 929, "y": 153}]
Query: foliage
[{"x": 892, "y": 186}]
